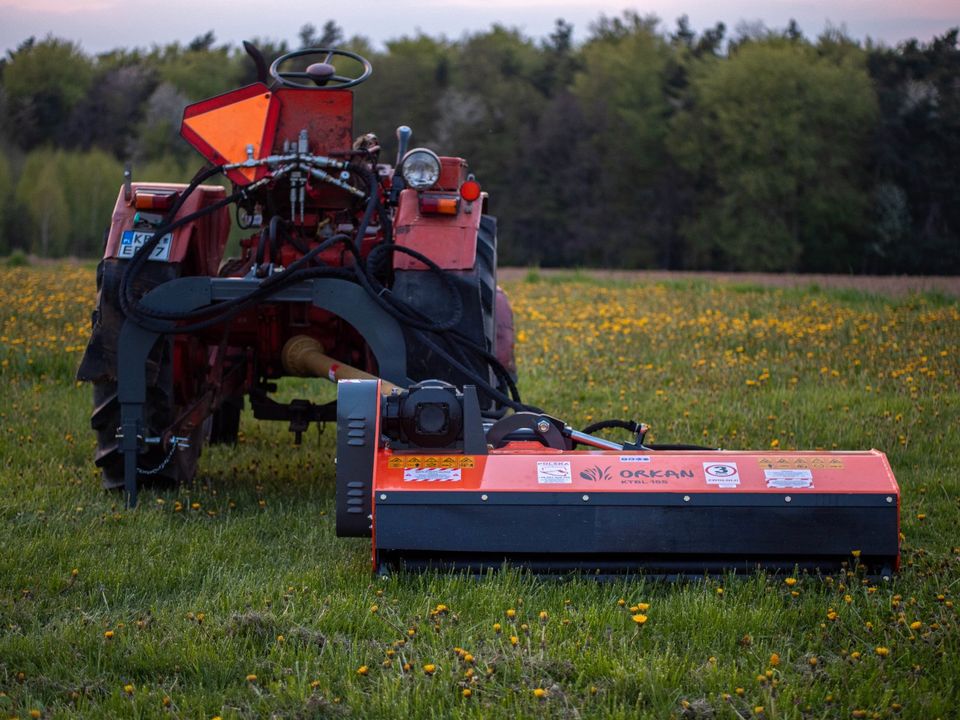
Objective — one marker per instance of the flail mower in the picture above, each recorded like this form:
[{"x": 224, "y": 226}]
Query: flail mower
[{"x": 383, "y": 278}]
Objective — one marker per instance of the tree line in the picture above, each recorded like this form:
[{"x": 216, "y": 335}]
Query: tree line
[{"x": 639, "y": 147}]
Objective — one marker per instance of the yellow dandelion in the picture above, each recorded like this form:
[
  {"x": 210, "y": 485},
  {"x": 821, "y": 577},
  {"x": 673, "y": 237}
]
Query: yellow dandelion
[
  {"x": 429, "y": 668},
  {"x": 539, "y": 693},
  {"x": 639, "y": 618},
  {"x": 466, "y": 692},
  {"x": 882, "y": 651},
  {"x": 790, "y": 581},
  {"x": 774, "y": 659},
  {"x": 363, "y": 670},
  {"x": 128, "y": 689},
  {"x": 109, "y": 634},
  {"x": 251, "y": 678},
  {"x": 511, "y": 613}
]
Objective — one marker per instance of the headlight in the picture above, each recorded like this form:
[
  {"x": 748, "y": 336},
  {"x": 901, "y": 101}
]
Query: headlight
[{"x": 420, "y": 168}]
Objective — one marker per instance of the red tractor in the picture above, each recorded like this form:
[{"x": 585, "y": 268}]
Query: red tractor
[
  {"x": 351, "y": 268},
  {"x": 384, "y": 279}
]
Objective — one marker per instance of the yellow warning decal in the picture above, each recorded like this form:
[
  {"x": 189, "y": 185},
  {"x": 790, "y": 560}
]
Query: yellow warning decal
[
  {"x": 443, "y": 462},
  {"x": 801, "y": 463}
]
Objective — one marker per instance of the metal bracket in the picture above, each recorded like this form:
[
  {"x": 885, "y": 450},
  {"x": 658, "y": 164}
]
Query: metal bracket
[{"x": 342, "y": 298}]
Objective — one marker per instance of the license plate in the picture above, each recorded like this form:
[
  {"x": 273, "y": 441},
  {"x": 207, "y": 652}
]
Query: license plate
[{"x": 133, "y": 240}]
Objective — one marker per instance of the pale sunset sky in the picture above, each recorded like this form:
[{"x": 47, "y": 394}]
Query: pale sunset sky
[{"x": 99, "y": 25}]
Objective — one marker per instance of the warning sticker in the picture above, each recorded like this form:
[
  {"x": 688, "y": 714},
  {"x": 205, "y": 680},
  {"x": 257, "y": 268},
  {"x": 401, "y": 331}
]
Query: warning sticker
[
  {"x": 634, "y": 458},
  {"x": 789, "y": 479},
  {"x": 431, "y": 475},
  {"x": 553, "y": 472},
  {"x": 725, "y": 474},
  {"x": 801, "y": 463},
  {"x": 400, "y": 462}
]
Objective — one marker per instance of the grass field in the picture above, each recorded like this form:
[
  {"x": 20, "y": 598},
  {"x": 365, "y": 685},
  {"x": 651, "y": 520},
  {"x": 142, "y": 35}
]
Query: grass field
[{"x": 234, "y": 598}]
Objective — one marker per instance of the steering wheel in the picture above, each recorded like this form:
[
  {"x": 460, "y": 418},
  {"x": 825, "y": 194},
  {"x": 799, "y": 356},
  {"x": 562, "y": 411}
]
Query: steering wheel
[{"x": 321, "y": 75}]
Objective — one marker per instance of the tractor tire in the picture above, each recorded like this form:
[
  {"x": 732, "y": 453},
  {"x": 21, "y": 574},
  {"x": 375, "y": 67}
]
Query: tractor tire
[
  {"x": 99, "y": 368},
  {"x": 225, "y": 422},
  {"x": 497, "y": 313},
  {"x": 485, "y": 268},
  {"x": 158, "y": 413}
]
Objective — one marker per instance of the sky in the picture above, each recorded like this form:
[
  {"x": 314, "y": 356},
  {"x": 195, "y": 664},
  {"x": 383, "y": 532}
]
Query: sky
[{"x": 99, "y": 25}]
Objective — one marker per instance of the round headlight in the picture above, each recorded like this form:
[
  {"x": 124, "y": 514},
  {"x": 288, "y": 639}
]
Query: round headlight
[{"x": 420, "y": 168}]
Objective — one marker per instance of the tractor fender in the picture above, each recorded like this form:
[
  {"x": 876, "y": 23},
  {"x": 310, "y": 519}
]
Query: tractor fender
[{"x": 197, "y": 245}]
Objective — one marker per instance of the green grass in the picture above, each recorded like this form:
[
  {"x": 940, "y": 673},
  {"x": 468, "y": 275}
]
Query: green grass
[{"x": 253, "y": 580}]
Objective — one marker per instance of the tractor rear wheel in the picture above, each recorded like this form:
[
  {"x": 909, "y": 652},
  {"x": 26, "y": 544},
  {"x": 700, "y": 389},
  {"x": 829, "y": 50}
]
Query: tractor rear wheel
[
  {"x": 225, "y": 421},
  {"x": 159, "y": 413}
]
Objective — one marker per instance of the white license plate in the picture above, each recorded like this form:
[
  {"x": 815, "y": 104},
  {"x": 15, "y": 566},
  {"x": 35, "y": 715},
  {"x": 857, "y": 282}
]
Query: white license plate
[{"x": 133, "y": 240}]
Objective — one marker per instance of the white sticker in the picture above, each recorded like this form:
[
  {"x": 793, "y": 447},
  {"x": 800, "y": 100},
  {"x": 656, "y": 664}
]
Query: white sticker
[
  {"x": 431, "y": 475},
  {"x": 789, "y": 479},
  {"x": 722, "y": 474},
  {"x": 132, "y": 240},
  {"x": 553, "y": 472},
  {"x": 634, "y": 458}
]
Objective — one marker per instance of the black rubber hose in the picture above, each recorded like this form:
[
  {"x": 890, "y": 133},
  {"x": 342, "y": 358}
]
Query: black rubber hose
[
  {"x": 407, "y": 315},
  {"x": 628, "y": 425},
  {"x": 678, "y": 446},
  {"x": 220, "y": 312}
]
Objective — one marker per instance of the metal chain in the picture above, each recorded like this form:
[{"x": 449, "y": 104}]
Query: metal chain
[{"x": 166, "y": 461}]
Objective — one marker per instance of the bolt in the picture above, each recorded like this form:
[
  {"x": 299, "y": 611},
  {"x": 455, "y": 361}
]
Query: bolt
[
  {"x": 383, "y": 497},
  {"x": 484, "y": 498},
  {"x": 586, "y": 498},
  {"x": 889, "y": 499},
  {"x": 787, "y": 498},
  {"x": 542, "y": 427},
  {"x": 686, "y": 498}
]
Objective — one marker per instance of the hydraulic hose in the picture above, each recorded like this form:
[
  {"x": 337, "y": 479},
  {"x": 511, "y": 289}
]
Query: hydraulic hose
[{"x": 157, "y": 320}]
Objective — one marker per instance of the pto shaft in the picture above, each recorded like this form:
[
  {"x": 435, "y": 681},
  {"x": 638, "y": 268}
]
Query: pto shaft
[{"x": 304, "y": 356}]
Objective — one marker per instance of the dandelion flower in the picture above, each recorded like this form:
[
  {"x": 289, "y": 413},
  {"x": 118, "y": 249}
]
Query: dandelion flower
[
  {"x": 251, "y": 678},
  {"x": 128, "y": 689},
  {"x": 109, "y": 634},
  {"x": 539, "y": 693},
  {"x": 363, "y": 670},
  {"x": 467, "y": 692},
  {"x": 882, "y": 651},
  {"x": 774, "y": 659},
  {"x": 511, "y": 613},
  {"x": 429, "y": 668},
  {"x": 790, "y": 581},
  {"x": 639, "y": 618}
]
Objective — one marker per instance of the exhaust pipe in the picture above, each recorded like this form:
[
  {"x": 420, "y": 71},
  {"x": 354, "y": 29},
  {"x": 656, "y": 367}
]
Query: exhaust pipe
[{"x": 303, "y": 356}]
